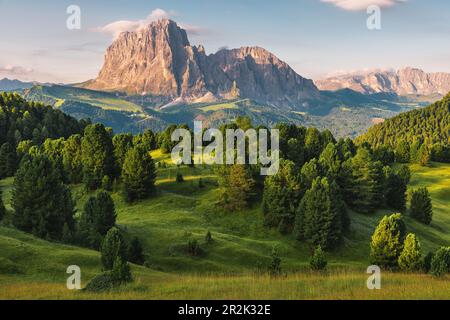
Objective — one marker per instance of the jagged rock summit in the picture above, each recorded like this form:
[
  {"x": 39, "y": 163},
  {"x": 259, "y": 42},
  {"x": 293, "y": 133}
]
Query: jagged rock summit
[
  {"x": 405, "y": 81},
  {"x": 158, "y": 60}
]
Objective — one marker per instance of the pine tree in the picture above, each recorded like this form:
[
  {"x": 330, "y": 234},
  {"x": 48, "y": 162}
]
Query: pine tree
[
  {"x": 67, "y": 234},
  {"x": 138, "y": 175},
  {"x": 148, "y": 141},
  {"x": 42, "y": 203},
  {"x": 113, "y": 247},
  {"x": 281, "y": 195},
  {"x": 410, "y": 259},
  {"x": 7, "y": 160},
  {"x": 309, "y": 172},
  {"x": 321, "y": 215},
  {"x": 275, "y": 264},
  {"x": 122, "y": 144},
  {"x": 384, "y": 154},
  {"x": 72, "y": 159},
  {"x": 402, "y": 152},
  {"x": 208, "y": 238},
  {"x": 404, "y": 173},
  {"x": 97, "y": 218},
  {"x": 395, "y": 191},
  {"x": 318, "y": 261},
  {"x": 366, "y": 182},
  {"x": 313, "y": 143},
  {"x": 421, "y": 207},
  {"x": 424, "y": 155},
  {"x": 135, "y": 251},
  {"x": 387, "y": 241},
  {"x": 237, "y": 186},
  {"x": 440, "y": 265},
  {"x": 2, "y": 207},
  {"x": 330, "y": 162},
  {"x": 97, "y": 156},
  {"x": 121, "y": 271}
]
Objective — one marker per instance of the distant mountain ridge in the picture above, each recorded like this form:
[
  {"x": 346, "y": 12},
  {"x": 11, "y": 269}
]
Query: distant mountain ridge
[
  {"x": 158, "y": 60},
  {"x": 11, "y": 85},
  {"x": 407, "y": 81}
]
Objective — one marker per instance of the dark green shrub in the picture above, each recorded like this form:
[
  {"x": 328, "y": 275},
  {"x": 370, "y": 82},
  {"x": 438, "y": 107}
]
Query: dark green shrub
[
  {"x": 102, "y": 282},
  {"x": 318, "y": 261},
  {"x": 410, "y": 259},
  {"x": 440, "y": 265},
  {"x": 275, "y": 264},
  {"x": 193, "y": 248},
  {"x": 426, "y": 263},
  {"x": 121, "y": 271},
  {"x": 135, "y": 251},
  {"x": 208, "y": 238},
  {"x": 421, "y": 207},
  {"x": 179, "y": 178},
  {"x": 387, "y": 241}
]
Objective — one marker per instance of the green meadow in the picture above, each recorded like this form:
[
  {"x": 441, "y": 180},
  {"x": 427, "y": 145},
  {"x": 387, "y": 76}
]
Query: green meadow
[{"x": 234, "y": 265}]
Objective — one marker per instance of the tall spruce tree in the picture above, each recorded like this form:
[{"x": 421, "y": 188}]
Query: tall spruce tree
[
  {"x": 135, "y": 251},
  {"x": 330, "y": 161},
  {"x": 281, "y": 195},
  {"x": 366, "y": 182},
  {"x": 402, "y": 152},
  {"x": 72, "y": 158},
  {"x": 411, "y": 258},
  {"x": 421, "y": 207},
  {"x": 321, "y": 215},
  {"x": 236, "y": 188},
  {"x": 97, "y": 155},
  {"x": 113, "y": 247},
  {"x": 147, "y": 140},
  {"x": 138, "y": 174},
  {"x": 395, "y": 190},
  {"x": 122, "y": 144},
  {"x": 8, "y": 160},
  {"x": 42, "y": 203},
  {"x": 313, "y": 143},
  {"x": 97, "y": 218},
  {"x": 387, "y": 241}
]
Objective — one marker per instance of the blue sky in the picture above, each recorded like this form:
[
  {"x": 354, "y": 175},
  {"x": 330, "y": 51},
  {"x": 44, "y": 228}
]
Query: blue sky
[{"x": 316, "y": 37}]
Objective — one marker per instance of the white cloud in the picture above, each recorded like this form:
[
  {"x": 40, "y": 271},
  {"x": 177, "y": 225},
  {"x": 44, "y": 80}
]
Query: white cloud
[
  {"x": 356, "y": 5},
  {"x": 15, "y": 70},
  {"x": 117, "y": 27}
]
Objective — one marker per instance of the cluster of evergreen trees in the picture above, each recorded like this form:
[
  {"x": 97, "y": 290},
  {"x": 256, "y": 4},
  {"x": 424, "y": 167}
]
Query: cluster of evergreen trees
[
  {"x": 31, "y": 122},
  {"x": 416, "y": 136},
  {"x": 42, "y": 201},
  {"x": 392, "y": 247},
  {"x": 319, "y": 178}
]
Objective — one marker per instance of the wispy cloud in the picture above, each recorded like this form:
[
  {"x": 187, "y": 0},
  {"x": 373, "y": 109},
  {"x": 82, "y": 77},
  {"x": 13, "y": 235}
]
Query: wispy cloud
[
  {"x": 15, "y": 70},
  {"x": 117, "y": 27},
  {"x": 356, "y": 5}
]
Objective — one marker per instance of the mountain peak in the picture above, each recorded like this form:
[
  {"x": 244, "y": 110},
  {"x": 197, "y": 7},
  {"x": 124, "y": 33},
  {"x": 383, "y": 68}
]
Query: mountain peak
[
  {"x": 159, "y": 60},
  {"x": 404, "y": 81}
]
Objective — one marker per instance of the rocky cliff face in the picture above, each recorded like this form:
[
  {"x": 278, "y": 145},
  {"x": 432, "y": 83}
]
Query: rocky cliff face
[
  {"x": 159, "y": 60},
  {"x": 402, "y": 82}
]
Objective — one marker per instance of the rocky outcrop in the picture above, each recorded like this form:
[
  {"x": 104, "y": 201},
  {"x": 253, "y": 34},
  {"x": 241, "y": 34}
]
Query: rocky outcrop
[
  {"x": 158, "y": 60},
  {"x": 402, "y": 82}
]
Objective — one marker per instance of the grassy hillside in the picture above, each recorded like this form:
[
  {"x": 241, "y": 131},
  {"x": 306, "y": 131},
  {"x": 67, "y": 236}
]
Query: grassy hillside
[
  {"x": 58, "y": 95},
  {"x": 227, "y": 268},
  {"x": 345, "y": 113}
]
